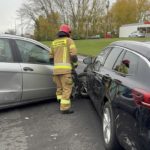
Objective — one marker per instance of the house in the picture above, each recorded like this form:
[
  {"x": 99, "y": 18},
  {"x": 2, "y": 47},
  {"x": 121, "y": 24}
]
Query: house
[{"x": 126, "y": 30}]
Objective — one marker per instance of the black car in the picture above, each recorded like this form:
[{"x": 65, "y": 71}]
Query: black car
[{"x": 118, "y": 83}]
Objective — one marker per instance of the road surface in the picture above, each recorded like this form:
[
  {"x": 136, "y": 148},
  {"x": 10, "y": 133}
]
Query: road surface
[{"x": 41, "y": 126}]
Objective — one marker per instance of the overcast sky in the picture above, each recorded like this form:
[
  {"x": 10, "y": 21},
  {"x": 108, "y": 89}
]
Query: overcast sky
[{"x": 8, "y": 16}]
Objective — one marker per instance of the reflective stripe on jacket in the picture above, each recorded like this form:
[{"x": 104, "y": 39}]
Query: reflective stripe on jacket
[{"x": 61, "y": 50}]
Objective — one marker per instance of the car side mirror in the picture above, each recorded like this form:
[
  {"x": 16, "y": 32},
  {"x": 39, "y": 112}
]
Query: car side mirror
[{"x": 88, "y": 60}]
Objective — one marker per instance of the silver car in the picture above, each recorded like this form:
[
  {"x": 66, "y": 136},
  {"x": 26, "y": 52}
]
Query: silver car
[
  {"x": 25, "y": 71},
  {"x": 137, "y": 34}
]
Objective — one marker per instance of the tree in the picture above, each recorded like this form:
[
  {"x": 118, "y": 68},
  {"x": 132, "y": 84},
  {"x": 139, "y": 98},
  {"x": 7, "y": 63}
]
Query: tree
[
  {"x": 45, "y": 28},
  {"x": 39, "y": 14},
  {"x": 128, "y": 11},
  {"x": 124, "y": 12},
  {"x": 84, "y": 16},
  {"x": 142, "y": 7}
]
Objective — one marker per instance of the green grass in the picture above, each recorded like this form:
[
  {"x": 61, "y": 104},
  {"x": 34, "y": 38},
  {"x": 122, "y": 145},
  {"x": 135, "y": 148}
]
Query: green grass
[{"x": 94, "y": 46}]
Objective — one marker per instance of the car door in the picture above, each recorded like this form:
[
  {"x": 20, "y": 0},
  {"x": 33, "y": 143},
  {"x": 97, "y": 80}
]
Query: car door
[
  {"x": 143, "y": 116},
  {"x": 124, "y": 104},
  {"x": 95, "y": 85},
  {"x": 10, "y": 74},
  {"x": 37, "y": 71},
  {"x": 104, "y": 75}
]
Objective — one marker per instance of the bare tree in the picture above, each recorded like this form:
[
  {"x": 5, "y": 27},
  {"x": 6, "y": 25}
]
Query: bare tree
[
  {"x": 82, "y": 15},
  {"x": 142, "y": 7}
]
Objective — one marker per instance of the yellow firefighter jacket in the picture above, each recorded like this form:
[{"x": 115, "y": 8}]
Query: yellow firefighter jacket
[
  {"x": 61, "y": 51},
  {"x": 122, "y": 68}
]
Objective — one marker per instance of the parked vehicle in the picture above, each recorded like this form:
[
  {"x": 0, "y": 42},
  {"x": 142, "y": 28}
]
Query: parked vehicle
[
  {"x": 25, "y": 71},
  {"x": 137, "y": 34},
  {"x": 119, "y": 86}
]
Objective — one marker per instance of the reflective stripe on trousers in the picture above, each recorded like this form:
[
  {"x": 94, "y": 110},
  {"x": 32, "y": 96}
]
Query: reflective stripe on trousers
[
  {"x": 65, "y": 104},
  {"x": 59, "y": 97},
  {"x": 65, "y": 101}
]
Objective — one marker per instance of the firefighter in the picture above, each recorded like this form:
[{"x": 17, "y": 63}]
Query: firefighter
[
  {"x": 64, "y": 55},
  {"x": 123, "y": 68}
]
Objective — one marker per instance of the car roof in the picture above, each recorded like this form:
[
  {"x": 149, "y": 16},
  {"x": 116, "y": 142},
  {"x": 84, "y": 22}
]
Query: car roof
[
  {"x": 142, "y": 48},
  {"x": 8, "y": 36},
  {"x": 147, "y": 42}
]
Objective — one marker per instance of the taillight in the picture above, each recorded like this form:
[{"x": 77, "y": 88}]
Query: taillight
[{"x": 141, "y": 97}]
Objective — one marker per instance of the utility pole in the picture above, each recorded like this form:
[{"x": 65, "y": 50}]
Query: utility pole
[
  {"x": 107, "y": 18},
  {"x": 87, "y": 29},
  {"x": 21, "y": 26},
  {"x": 15, "y": 28}
]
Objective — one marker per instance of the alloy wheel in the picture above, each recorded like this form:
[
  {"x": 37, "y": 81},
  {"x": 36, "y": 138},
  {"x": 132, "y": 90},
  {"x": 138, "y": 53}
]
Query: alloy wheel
[{"x": 106, "y": 125}]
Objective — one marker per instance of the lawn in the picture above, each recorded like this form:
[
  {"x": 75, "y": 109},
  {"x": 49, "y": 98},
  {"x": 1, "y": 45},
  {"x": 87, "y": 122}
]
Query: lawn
[{"x": 94, "y": 46}]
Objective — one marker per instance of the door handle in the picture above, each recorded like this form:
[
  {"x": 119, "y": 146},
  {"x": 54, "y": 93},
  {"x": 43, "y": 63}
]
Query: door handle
[
  {"x": 117, "y": 81},
  {"x": 106, "y": 77},
  {"x": 27, "y": 69}
]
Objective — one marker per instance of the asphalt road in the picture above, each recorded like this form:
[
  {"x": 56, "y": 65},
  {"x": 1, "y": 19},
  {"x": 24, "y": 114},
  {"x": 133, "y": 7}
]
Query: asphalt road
[{"x": 41, "y": 126}]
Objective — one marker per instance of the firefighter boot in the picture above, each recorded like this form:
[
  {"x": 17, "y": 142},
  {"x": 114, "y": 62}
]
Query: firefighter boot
[
  {"x": 69, "y": 111},
  {"x": 65, "y": 107}
]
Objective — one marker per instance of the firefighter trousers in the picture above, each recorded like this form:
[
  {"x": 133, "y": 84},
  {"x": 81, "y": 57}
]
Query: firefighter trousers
[{"x": 64, "y": 85}]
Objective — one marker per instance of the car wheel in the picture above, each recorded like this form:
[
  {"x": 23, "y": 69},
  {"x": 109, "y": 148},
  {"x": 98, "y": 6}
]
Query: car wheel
[
  {"x": 83, "y": 84},
  {"x": 80, "y": 86},
  {"x": 108, "y": 125}
]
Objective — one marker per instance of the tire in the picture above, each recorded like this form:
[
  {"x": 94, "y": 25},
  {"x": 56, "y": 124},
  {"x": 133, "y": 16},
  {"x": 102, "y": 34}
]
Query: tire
[
  {"x": 80, "y": 86},
  {"x": 108, "y": 127},
  {"x": 83, "y": 85}
]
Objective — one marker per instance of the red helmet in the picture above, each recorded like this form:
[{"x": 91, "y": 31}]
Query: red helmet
[
  {"x": 125, "y": 61},
  {"x": 65, "y": 28}
]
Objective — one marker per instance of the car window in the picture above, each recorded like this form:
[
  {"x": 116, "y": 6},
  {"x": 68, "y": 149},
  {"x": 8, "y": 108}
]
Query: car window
[
  {"x": 32, "y": 53},
  {"x": 143, "y": 72},
  {"x": 5, "y": 51},
  {"x": 119, "y": 60},
  {"x": 112, "y": 57},
  {"x": 103, "y": 55},
  {"x": 129, "y": 64},
  {"x": 100, "y": 59}
]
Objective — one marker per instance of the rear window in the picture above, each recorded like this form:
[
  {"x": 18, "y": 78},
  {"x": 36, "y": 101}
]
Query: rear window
[
  {"x": 112, "y": 57},
  {"x": 5, "y": 51},
  {"x": 103, "y": 55},
  {"x": 144, "y": 72}
]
